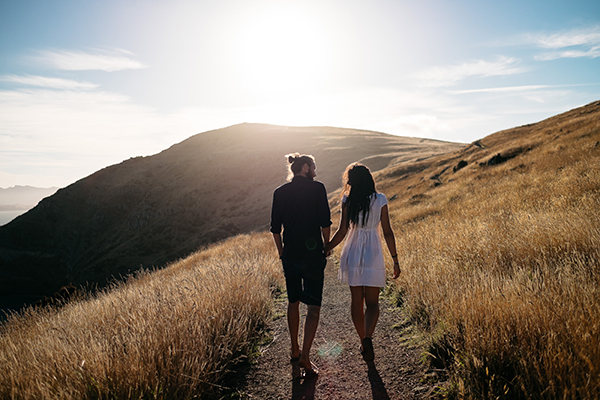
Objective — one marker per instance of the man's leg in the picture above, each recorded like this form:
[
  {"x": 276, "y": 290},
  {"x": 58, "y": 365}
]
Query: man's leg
[
  {"x": 310, "y": 331},
  {"x": 293, "y": 283},
  {"x": 312, "y": 295},
  {"x": 293, "y": 317}
]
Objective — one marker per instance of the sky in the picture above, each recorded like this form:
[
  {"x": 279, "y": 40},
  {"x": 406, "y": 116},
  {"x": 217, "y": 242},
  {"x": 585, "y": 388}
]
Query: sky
[{"x": 85, "y": 84}]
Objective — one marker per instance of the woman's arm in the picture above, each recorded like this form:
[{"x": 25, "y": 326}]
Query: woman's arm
[
  {"x": 340, "y": 234},
  {"x": 390, "y": 239}
]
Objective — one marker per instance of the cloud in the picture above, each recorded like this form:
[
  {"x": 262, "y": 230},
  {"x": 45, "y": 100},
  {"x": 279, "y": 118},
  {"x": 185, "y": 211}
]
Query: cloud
[
  {"x": 575, "y": 37},
  {"x": 450, "y": 75},
  {"x": 47, "y": 82},
  {"x": 417, "y": 125},
  {"x": 518, "y": 89},
  {"x": 576, "y": 43},
  {"x": 76, "y": 121},
  {"x": 507, "y": 89},
  {"x": 592, "y": 52},
  {"x": 77, "y": 60},
  {"x": 60, "y": 136}
]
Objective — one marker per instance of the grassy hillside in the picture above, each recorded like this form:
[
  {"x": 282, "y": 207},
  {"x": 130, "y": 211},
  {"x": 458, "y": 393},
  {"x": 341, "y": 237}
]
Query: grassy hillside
[
  {"x": 169, "y": 334},
  {"x": 149, "y": 211},
  {"x": 500, "y": 254},
  {"x": 501, "y": 258}
]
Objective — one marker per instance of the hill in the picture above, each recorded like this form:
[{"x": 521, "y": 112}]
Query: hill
[
  {"x": 499, "y": 246},
  {"x": 549, "y": 136},
  {"x": 148, "y": 211}
]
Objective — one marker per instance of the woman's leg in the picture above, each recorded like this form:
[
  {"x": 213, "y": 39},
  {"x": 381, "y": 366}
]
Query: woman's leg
[
  {"x": 371, "y": 314},
  {"x": 357, "y": 309}
]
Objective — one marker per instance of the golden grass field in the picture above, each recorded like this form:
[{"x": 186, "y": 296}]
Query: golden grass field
[
  {"x": 168, "y": 334},
  {"x": 501, "y": 264},
  {"x": 500, "y": 272}
]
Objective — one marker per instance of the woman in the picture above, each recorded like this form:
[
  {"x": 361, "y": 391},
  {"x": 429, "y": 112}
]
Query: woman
[{"x": 361, "y": 262}]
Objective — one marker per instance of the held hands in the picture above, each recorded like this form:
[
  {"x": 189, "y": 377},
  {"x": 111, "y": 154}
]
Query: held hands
[{"x": 328, "y": 249}]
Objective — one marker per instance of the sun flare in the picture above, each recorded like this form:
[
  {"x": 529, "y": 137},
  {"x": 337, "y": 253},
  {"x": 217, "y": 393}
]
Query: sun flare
[{"x": 281, "y": 49}]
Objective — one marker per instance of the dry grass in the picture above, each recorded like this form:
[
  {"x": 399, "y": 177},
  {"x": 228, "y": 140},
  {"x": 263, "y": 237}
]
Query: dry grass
[
  {"x": 501, "y": 267},
  {"x": 170, "y": 334}
]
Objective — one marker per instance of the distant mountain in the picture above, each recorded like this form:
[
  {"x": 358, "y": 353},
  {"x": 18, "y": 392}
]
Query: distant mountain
[
  {"x": 148, "y": 211},
  {"x": 17, "y": 200},
  {"x": 24, "y": 196}
]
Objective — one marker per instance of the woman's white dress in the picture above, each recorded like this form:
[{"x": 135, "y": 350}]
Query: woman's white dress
[{"x": 361, "y": 261}]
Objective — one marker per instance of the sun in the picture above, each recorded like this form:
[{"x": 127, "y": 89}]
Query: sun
[{"x": 281, "y": 50}]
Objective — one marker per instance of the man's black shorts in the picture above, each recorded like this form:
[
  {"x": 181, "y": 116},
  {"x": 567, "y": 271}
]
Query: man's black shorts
[{"x": 304, "y": 280}]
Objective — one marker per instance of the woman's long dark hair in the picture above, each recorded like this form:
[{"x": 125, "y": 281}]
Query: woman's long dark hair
[{"x": 359, "y": 186}]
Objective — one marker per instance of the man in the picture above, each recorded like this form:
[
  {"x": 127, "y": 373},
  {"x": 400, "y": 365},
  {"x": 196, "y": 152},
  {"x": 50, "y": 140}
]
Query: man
[{"x": 301, "y": 207}]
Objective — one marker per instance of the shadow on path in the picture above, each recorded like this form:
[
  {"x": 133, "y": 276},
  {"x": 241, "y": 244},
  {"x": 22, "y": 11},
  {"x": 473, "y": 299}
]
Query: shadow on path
[
  {"x": 377, "y": 385},
  {"x": 305, "y": 389}
]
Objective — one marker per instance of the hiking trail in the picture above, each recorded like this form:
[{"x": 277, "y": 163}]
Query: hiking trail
[{"x": 397, "y": 372}]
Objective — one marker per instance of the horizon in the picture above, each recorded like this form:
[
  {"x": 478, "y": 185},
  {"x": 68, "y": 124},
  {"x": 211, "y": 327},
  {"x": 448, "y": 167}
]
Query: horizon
[{"x": 87, "y": 85}]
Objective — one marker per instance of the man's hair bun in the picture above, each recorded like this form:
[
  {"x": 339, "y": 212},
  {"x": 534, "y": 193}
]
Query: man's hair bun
[{"x": 293, "y": 157}]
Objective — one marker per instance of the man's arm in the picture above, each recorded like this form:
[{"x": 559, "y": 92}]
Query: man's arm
[
  {"x": 324, "y": 216},
  {"x": 276, "y": 226},
  {"x": 278, "y": 243},
  {"x": 323, "y": 212}
]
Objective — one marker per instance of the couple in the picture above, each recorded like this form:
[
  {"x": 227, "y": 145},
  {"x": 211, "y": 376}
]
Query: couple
[{"x": 301, "y": 207}]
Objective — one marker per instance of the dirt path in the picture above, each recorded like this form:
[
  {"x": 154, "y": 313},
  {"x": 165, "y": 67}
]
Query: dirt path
[{"x": 396, "y": 373}]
